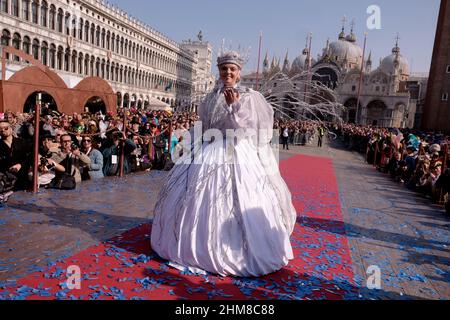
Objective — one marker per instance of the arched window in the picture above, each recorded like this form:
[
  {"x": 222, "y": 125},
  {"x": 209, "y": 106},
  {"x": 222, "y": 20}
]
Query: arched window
[
  {"x": 26, "y": 10},
  {"x": 97, "y": 67},
  {"x": 113, "y": 40},
  {"x": 44, "y": 53},
  {"x": 91, "y": 69},
  {"x": 15, "y": 8},
  {"x": 74, "y": 27},
  {"x": 103, "y": 38},
  {"x": 52, "y": 56},
  {"x": 67, "y": 60},
  {"x": 80, "y": 29},
  {"x": 86, "y": 31},
  {"x": 35, "y": 50},
  {"x": 108, "y": 71},
  {"x": 67, "y": 23},
  {"x": 121, "y": 45},
  {"x": 80, "y": 63},
  {"x": 59, "y": 20},
  {"x": 26, "y": 45},
  {"x": 92, "y": 33},
  {"x": 52, "y": 17},
  {"x": 16, "y": 44},
  {"x": 74, "y": 62},
  {"x": 86, "y": 65},
  {"x": 4, "y": 4},
  {"x": 112, "y": 71},
  {"x": 34, "y": 11},
  {"x": 44, "y": 11},
  {"x": 108, "y": 41},
  {"x": 59, "y": 58},
  {"x": 97, "y": 36},
  {"x": 102, "y": 70},
  {"x": 6, "y": 37}
]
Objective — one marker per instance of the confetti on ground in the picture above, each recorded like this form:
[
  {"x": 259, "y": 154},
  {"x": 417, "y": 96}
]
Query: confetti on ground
[{"x": 125, "y": 267}]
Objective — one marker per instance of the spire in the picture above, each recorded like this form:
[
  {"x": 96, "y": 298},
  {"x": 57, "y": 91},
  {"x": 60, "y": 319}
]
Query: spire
[
  {"x": 351, "y": 37},
  {"x": 266, "y": 63},
  {"x": 286, "y": 64},
  {"x": 369, "y": 63},
  {"x": 342, "y": 34},
  {"x": 369, "y": 60},
  {"x": 306, "y": 50},
  {"x": 396, "y": 49}
]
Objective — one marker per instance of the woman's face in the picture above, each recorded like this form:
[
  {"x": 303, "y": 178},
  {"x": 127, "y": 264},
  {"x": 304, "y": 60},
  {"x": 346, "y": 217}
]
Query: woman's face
[{"x": 229, "y": 74}]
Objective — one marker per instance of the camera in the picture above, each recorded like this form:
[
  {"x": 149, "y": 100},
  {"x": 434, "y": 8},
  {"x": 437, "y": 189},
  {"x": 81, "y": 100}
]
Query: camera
[
  {"x": 74, "y": 146},
  {"x": 45, "y": 163}
]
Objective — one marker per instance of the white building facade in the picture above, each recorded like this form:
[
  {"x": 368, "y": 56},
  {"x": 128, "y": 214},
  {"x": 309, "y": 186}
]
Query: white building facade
[
  {"x": 204, "y": 80},
  {"x": 81, "y": 38}
]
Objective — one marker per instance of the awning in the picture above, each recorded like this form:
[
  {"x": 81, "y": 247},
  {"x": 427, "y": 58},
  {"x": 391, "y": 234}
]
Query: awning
[{"x": 158, "y": 105}]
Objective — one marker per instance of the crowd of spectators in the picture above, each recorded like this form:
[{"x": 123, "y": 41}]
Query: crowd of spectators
[
  {"x": 87, "y": 146},
  {"x": 419, "y": 160},
  {"x": 297, "y": 132},
  {"x": 90, "y": 146}
]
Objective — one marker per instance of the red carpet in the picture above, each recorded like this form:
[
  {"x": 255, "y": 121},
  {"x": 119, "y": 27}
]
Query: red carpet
[{"x": 125, "y": 267}]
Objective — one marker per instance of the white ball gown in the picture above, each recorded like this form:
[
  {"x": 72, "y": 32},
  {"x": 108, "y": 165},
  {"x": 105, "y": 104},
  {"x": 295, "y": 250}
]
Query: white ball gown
[{"x": 230, "y": 213}]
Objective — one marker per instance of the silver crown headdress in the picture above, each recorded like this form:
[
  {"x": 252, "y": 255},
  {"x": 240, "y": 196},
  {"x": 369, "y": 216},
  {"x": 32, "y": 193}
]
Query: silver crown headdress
[{"x": 238, "y": 57}]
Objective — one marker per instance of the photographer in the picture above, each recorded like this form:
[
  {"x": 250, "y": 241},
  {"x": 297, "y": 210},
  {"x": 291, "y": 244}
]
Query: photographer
[
  {"x": 71, "y": 158},
  {"x": 14, "y": 157},
  {"x": 48, "y": 166},
  {"x": 112, "y": 154}
]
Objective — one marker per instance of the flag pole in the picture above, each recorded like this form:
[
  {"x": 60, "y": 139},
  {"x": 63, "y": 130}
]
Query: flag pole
[
  {"x": 360, "y": 80},
  {"x": 37, "y": 115},
  {"x": 309, "y": 60},
  {"x": 259, "y": 61}
]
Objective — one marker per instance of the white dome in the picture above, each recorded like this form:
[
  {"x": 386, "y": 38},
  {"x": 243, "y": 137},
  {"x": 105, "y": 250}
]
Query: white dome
[
  {"x": 341, "y": 48},
  {"x": 388, "y": 63},
  {"x": 299, "y": 63}
]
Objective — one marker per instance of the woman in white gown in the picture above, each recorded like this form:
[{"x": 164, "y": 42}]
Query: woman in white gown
[{"x": 230, "y": 213}]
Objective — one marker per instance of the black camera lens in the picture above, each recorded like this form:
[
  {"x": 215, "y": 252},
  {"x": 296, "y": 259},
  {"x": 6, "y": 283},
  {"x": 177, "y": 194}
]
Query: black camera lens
[{"x": 74, "y": 146}]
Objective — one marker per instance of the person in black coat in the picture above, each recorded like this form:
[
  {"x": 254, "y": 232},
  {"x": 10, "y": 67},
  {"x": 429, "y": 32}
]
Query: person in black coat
[{"x": 15, "y": 155}]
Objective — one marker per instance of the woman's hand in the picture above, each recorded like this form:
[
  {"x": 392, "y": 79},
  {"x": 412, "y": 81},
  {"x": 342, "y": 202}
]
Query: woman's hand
[{"x": 231, "y": 96}]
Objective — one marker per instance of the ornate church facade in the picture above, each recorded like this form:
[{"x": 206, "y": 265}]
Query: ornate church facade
[{"x": 384, "y": 97}]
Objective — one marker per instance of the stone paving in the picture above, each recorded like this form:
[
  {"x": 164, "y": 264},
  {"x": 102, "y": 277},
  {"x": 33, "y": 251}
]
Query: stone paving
[{"x": 387, "y": 226}]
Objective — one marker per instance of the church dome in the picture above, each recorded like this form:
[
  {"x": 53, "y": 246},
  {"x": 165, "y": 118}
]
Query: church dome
[
  {"x": 343, "y": 49},
  {"x": 300, "y": 62},
  {"x": 389, "y": 63},
  {"x": 351, "y": 37}
]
